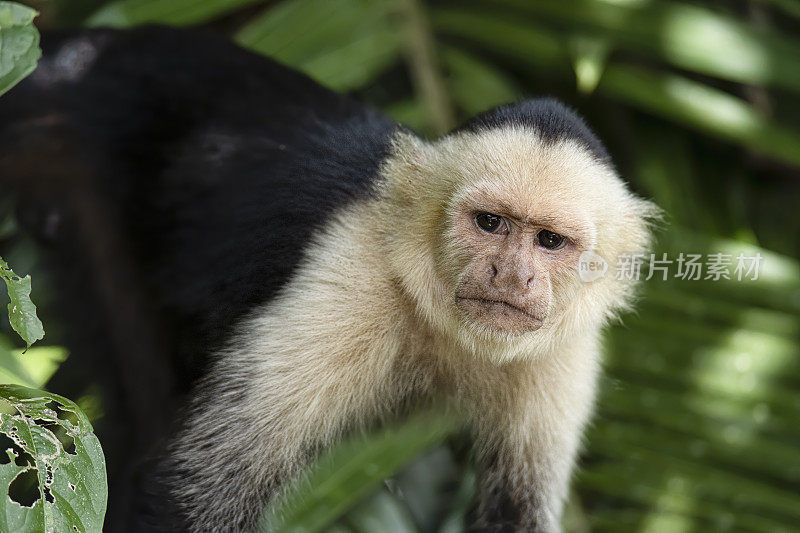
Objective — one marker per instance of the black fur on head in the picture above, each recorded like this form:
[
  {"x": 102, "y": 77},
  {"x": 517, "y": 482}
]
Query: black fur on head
[{"x": 550, "y": 118}]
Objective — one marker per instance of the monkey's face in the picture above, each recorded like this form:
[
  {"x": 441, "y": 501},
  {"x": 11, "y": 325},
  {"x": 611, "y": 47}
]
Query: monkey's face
[
  {"x": 511, "y": 262},
  {"x": 521, "y": 213},
  {"x": 485, "y": 231},
  {"x": 512, "y": 244}
]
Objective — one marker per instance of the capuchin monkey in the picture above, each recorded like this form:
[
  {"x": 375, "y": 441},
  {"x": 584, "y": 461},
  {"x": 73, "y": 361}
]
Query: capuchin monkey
[{"x": 331, "y": 265}]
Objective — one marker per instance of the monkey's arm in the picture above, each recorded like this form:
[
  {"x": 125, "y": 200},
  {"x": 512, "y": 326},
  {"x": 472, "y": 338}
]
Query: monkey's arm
[
  {"x": 316, "y": 362},
  {"x": 527, "y": 437},
  {"x": 264, "y": 416}
]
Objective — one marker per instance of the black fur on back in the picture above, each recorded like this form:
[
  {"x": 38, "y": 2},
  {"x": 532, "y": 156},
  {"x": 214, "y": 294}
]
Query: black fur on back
[
  {"x": 551, "y": 119},
  {"x": 219, "y": 163}
]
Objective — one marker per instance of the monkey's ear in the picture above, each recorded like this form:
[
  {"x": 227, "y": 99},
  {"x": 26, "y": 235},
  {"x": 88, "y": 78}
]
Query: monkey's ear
[
  {"x": 411, "y": 151},
  {"x": 641, "y": 218},
  {"x": 408, "y": 168},
  {"x": 645, "y": 209}
]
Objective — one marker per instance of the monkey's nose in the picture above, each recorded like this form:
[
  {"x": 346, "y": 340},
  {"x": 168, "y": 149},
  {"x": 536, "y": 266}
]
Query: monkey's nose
[{"x": 512, "y": 277}]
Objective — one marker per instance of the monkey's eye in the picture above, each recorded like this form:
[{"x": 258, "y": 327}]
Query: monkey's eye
[
  {"x": 489, "y": 223},
  {"x": 550, "y": 240}
]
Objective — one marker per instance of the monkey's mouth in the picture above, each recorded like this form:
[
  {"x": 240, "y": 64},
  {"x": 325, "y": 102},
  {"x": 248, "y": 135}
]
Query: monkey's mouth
[{"x": 499, "y": 313}]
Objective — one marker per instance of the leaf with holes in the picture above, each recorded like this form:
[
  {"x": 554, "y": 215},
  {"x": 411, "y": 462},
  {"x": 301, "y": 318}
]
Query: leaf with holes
[
  {"x": 19, "y": 44},
  {"x": 21, "y": 311},
  {"x": 52, "y": 464}
]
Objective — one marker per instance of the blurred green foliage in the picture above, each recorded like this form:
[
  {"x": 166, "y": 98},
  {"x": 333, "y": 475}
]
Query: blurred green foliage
[{"x": 699, "y": 101}]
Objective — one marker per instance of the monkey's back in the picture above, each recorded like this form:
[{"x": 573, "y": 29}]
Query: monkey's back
[{"x": 218, "y": 163}]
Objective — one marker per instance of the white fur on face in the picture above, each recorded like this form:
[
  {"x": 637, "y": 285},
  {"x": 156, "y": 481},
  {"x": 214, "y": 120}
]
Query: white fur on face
[{"x": 436, "y": 188}]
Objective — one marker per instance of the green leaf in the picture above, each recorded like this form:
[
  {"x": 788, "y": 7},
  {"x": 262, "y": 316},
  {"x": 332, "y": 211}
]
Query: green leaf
[
  {"x": 127, "y": 13},
  {"x": 700, "y": 409},
  {"x": 687, "y": 36},
  {"x": 41, "y": 362},
  {"x": 702, "y": 107},
  {"x": 380, "y": 512},
  {"x": 54, "y": 446},
  {"x": 21, "y": 311},
  {"x": 505, "y": 34},
  {"x": 476, "y": 85},
  {"x": 34, "y": 369},
  {"x": 589, "y": 58},
  {"x": 343, "y": 44},
  {"x": 664, "y": 172},
  {"x": 19, "y": 44},
  {"x": 352, "y": 470},
  {"x": 670, "y": 96}
]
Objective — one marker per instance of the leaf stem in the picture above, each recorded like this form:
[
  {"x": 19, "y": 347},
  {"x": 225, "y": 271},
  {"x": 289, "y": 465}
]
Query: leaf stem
[{"x": 426, "y": 74}]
